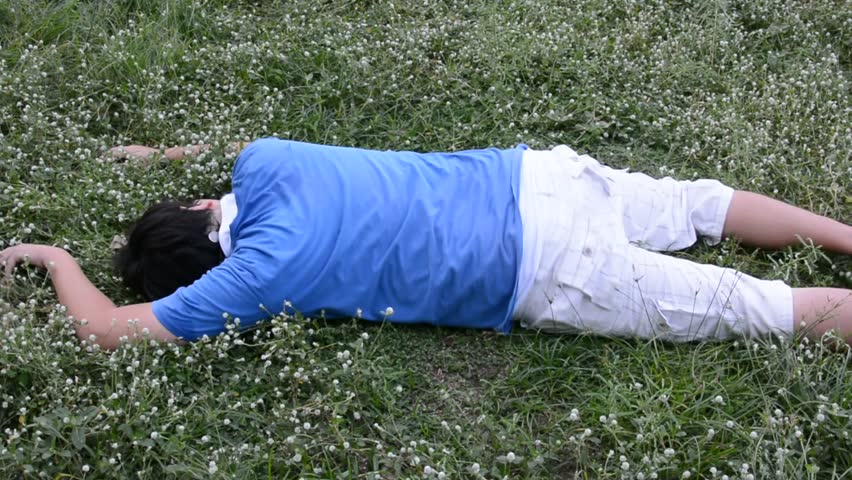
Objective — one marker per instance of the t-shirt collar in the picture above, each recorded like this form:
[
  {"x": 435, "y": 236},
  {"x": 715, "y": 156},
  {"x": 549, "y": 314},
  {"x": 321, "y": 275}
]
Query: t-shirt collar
[{"x": 228, "y": 205}]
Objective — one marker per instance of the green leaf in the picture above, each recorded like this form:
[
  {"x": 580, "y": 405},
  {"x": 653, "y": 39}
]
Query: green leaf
[
  {"x": 126, "y": 429},
  {"x": 89, "y": 413},
  {"x": 179, "y": 468},
  {"x": 78, "y": 438}
]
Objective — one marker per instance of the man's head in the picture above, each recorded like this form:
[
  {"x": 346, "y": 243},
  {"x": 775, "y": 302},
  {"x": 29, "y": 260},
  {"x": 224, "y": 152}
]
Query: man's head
[{"x": 170, "y": 247}]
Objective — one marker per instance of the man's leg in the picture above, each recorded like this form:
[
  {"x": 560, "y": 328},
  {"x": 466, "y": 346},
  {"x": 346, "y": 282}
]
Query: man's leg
[
  {"x": 667, "y": 214},
  {"x": 761, "y": 221},
  {"x": 673, "y": 298},
  {"x": 660, "y": 296},
  {"x": 818, "y": 310}
]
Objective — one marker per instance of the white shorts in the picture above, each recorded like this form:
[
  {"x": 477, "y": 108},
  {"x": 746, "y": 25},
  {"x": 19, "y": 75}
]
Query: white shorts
[{"x": 594, "y": 231}]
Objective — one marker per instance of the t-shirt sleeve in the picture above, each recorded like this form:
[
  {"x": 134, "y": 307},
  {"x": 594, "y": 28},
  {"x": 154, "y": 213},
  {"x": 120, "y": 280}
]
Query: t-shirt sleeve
[
  {"x": 236, "y": 287},
  {"x": 227, "y": 292}
]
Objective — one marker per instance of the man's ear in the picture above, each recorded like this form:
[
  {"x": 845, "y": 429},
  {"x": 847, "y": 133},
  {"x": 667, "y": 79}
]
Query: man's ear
[{"x": 206, "y": 204}]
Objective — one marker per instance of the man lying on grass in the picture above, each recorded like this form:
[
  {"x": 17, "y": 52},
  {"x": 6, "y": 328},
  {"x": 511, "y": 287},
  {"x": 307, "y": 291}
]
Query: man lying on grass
[{"x": 470, "y": 239}]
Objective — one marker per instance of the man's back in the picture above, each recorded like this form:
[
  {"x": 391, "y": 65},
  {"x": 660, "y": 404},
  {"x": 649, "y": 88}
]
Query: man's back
[{"x": 437, "y": 237}]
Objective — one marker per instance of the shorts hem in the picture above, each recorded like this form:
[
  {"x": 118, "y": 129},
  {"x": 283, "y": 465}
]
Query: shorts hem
[{"x": 721, "y": 215}]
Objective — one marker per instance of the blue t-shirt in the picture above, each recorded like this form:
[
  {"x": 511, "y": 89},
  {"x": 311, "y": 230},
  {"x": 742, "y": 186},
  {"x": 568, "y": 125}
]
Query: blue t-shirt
[{"x": 335, "y": 230}]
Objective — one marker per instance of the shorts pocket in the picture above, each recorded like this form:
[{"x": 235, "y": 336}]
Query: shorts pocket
[{"x": 695, "y": 322}]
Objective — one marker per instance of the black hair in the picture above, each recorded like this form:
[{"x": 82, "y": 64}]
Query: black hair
[{"x": 166, "y": 249}]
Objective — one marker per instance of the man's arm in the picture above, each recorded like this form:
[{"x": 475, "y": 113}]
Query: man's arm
[
  {"x": 94, "y": 313},
  {"x": 141, "y": 152}
]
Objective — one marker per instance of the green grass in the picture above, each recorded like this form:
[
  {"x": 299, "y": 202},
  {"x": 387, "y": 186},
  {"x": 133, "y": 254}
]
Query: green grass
[{"x": 755, "y": 93}]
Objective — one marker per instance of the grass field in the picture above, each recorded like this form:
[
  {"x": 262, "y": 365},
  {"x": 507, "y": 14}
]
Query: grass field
[{"x": 755, "y": 93}]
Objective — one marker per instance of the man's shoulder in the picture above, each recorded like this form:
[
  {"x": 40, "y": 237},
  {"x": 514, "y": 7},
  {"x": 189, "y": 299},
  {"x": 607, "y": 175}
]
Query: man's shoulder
[
  {"x": 264, "y": 158},
  {"x": 260, "y": 150}
]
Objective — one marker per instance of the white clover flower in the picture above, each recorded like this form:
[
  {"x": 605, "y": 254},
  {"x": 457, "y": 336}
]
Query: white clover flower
[
  {"x": 212, "y": 468},
  {"x": 669, "y": 452},
  {"x": 719, "y": 400},
  {"x": 86, "y": 468},
  {"x": 510, "y": 457},
  {"x": 474, "y": 469},
  {"x": 686, "y": 474}
]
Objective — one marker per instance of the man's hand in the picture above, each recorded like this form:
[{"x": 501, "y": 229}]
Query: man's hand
[{"x": 37, "y": 255}]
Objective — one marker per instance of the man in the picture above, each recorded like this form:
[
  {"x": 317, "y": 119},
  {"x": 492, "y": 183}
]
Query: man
[{"x": 473, "y": 239}]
